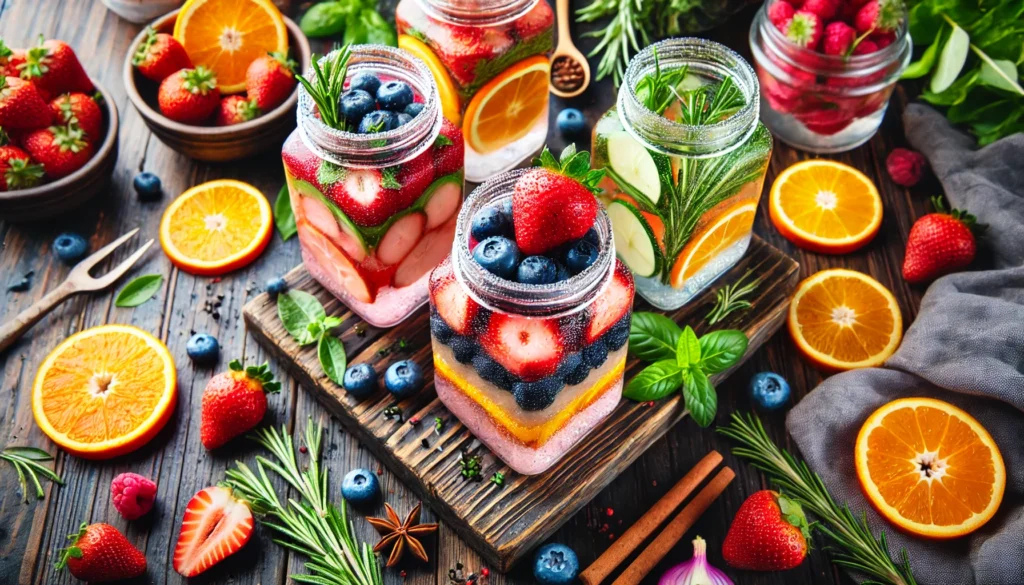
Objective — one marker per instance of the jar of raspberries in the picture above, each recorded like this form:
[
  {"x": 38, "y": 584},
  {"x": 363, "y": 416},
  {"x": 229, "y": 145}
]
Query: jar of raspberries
[{"x": 827, "y": 68}]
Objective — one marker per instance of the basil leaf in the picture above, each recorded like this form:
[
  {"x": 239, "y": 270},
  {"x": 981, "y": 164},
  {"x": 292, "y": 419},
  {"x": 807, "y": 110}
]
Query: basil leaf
[
  {"x": 655, "y": 382},
  {"x": 653, "y": 337},
  {"x": 139, "y": 290},
  {"x": 331, "y": 322},
  {"x": 701, "y": 398},
  {"x": 284, "y": 217},
  {"x": 326, "y": 18},
  {"x": 688, "y": 348},
  {"x": 1000, "y": 74},
  {"x": 721, "y": 349},
  {"x": 926, "y": 62},
  {"x": 297, "y": 310},
  {"x": 333, "y": 360}
]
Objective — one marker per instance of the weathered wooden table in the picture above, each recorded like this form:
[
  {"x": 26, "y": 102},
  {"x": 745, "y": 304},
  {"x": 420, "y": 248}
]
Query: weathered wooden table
[{"x": 30, "y": 534}]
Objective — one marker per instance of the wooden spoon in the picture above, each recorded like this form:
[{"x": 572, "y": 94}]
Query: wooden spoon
[{"x": 570, "y": 72}]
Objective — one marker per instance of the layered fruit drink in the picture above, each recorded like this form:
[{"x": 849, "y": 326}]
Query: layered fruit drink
[
  {"x": 686, "y": 158},
  {"x": 375, "y": 177},
  {"x": 493, "y": 54},
  {"x": 530, "y": 315}
]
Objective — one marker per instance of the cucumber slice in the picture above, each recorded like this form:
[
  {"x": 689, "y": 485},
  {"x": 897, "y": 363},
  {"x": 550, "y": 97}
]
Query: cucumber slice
[
  {"x": 634, "y": 166},
  {"x": 635, "y": 243}
]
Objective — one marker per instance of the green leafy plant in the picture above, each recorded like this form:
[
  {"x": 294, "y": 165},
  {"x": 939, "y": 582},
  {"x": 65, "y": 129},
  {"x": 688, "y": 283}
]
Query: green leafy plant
[
  {"x": 305, "y": 319},
  {"x": 357, "y": 20},
  {"x": 571, "y": 164},
  {"x": 139, "y": 290},
  {"x": 284, "y": 217},
  {"x": 681, "y": 360},
  {"x": 26, "y": 462},
  {"x": 975, "y": 55},
  {"x": 730, "y": 298}
]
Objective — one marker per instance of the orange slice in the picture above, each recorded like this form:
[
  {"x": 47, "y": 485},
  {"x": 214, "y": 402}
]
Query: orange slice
[
  {"x": 825, "y": 206},
  {"x": 930, "y": 468},
  {"x": 227, "y": 35},
  {"x": 509, "y": 106},
  {"x": 105, "y": 391},
  {"x": 843, "y": 319},
  {"x": 450, "y": 105},
  {"x": 216, "y": 227},
  {"x": 705, "y": 244}
]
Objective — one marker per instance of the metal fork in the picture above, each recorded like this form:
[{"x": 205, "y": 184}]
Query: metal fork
[{"x": 78, "y": 281}]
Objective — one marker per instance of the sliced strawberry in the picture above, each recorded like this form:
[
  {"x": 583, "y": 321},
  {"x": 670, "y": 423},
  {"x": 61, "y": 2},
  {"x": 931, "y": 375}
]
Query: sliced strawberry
[
  {"x": 444, "y": 203},
  {"x": 537, "y": 20},
  {"x": 360, "y": 194},
  {"x": 433, "y": 247},
  {"x": 449, "y": 150},
  {"x": 454, "y": 306},
  {"x": 376, "y": 274},
  {"x": 612, "y": 304},
  {"x": 401, "y": 237},
  {"x": 330, "y": 263},
  {"x": 826, "y": 120},
  {"x": 215, "y": 526},
  {"x": 528, "y": 347},
  {"x": 299, "y": 161},
  {"x": 414, "y": 176},
  {"x": 461, "y": 48}
]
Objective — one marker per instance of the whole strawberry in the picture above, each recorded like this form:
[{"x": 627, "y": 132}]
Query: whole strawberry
[
  {"x": 780, "y": 13},
  {"x": 61, "y": 150},
  {"x": 236, "y": 109},
  {"x": 80, "y": 109},
  {"x": 160, "y": 55},
  {"x": 270, "y": 79},
  {"x": 99, "y": 553},
  {"x": 189, "y": 96},
  {"x": 839, "y": 38},
  {"x": 805, "y": 29},
  {"x": 939, "y": 243},
  {"x": 53, "y": 67},
  {"x": 234, "y": 402},
  {"x": 17, "y": 170},
  {"x": 21, "y": 105},
  {"x": 878, "y": 16},
  {"x": 769, "y": 533},
  {"x": 8, "y": 66},
  {"x": 825, "y": 9},
  {"x": 906, "y": 167}
]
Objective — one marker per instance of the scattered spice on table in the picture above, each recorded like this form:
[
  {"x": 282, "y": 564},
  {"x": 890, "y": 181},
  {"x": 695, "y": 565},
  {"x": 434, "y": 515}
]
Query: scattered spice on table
[
  {"x": 498, "y": 479},
  {"x": 438, "y": 425},
  {"x": 24, "y": 284},
  {"x": 393, "y": 412},
  {"x": 398, "y": 536},
  {"x": 424, "y": 444},
  {"x": 469, "y": 467}
]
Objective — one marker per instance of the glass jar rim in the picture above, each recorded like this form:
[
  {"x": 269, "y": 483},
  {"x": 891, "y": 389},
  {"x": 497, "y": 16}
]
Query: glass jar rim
[{"x": 477, "y": 12}]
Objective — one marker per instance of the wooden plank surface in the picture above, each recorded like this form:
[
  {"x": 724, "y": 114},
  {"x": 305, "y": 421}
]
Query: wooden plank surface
[{"x": 31, "y": 533}]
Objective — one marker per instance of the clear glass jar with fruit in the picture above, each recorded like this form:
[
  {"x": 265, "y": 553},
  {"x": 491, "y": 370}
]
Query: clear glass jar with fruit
[
  {"x": 530, "y": 323},
  {"x": 375, "y": 176},
  {"x": 491, "y": 57},
  {"x": 686, "y": 158},
  {"x": 828, "y": 68}
]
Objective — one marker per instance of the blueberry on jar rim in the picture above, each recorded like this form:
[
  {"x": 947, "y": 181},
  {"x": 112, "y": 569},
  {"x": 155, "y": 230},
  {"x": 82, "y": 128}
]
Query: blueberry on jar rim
[
  {"x": 394, "y": 95},
  {"x": 580, "y": 256},
  {"x": 401, "y": 119}
]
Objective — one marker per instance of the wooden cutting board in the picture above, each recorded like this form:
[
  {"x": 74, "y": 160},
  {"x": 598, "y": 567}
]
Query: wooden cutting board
[{"x": 501, "y": 523}]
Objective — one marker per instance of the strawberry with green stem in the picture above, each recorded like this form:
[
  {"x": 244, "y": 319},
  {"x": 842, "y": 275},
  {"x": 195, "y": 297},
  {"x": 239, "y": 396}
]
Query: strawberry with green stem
[
  {"x": 17, "y": 171},
  {"x": 939, "y": 243},
  {"x": 53, "y": 68},
  {"x": 269, "y": 80},
  {"x": 100, "y": 553},
  {"x": 189, "y": 96},
  {"x": 61, "y": 150},
  {"x": 769, "y": 533},
  {"x": 160, "y": 55},
  {"x": 234, "y": 402}
]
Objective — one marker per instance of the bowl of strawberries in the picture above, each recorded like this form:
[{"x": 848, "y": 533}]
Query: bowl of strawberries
[
  {"x": 189, "y": 107},
  {"x": 58, "y": 135}
]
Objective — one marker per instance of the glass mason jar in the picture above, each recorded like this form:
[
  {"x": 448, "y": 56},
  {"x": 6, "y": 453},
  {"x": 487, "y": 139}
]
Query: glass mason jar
[
  {"x": 825, "y": 103},
  {"x": 684, "y": 170},
  {"x": 480, "y": 41},
  {"x": 376, "y": 212},
  {"x": 529, "y": 369}
]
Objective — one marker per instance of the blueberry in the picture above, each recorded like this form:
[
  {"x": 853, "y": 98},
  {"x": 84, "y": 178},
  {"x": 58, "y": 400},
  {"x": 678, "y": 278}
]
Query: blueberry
[
  {"x": 537, "y": 395},
  {"x": 70, "y": 247},
  {"x": 441, "y": 331},
  {"x": 563, "y": 272},
  {"x": 571, "y": 122},
  {"x": 365, "y": 81},
  {"x": 202, "y": 348},
  {"x": 490, "y": 221},
  {"x": 595, "y": 354},
  {"x": 537, "y": 270},
  {"x": 580, "y": 256},
  {"x": 360, "y": 487},
  {"x": 355, "y": 104},
  {"x": 592, "y": 238},
  {"x": 569, "y": 364},
  {"x": 498, "y": 255},
  {"x": 578, "y": 375},
  {"x": 769, "y": 390},
  {"x": 360, "y": 380},
  {"x": 464, "y": 348},
  {"x": 618, "y": 334},
  {"x": 376, "y": 121},
  {"x": 394, "y": 95},
  {"x": 401, "y": 119},
  {"x": 276, "y": 286},
  {"x": 555, "y": 564},
  {"x": 403, "y": 379},
  {"x": 147, "y": 186},
  {"x": 493, "y": 372},
  {"x": 413, "y": 109}
]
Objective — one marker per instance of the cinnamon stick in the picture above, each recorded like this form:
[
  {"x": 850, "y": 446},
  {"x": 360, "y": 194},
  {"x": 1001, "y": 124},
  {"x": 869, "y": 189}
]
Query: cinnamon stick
[
  {"x": 650, "y": 521},
  {"x": 668, "y": 538}
]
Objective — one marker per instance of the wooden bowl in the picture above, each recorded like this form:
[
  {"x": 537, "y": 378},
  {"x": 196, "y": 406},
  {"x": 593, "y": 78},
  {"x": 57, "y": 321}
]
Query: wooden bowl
[
  {"x": 140, "y": 11},
  {"x": 214, "y": 143},
  {"x": 70, "y": 192}
]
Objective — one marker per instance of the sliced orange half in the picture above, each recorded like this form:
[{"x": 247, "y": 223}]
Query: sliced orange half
[
  {"x": 105, "y": 391},
  {"x": 450, "y": 105},
  {"x": 842, "y": 319},
  {"x": 825, "y": 206},
  {"x": 930, "y": 468},
  {"x": 509, "y": 106},
  {"x": 216, "y": 227},
  {"x": 729, "y": 228},
  {"x": 227, "y": 35}
]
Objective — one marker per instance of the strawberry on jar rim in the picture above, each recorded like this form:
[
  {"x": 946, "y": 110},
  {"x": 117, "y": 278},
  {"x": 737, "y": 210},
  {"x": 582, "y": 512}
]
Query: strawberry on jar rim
[
  {"x": 449, "y": 149},
  {"x": 805, "y": 29},
  {"x": 22, "y": 106},
  {"x": 53, "y": 67},
  {"x": 270, "y": 79},
  {"x": 80, "y": 109},
  {"x": 61, "y": 150},
  {"x": 189, "y": 96},
  {"x": 160, "y": 55},
  {"x": 878, "y": 16}
]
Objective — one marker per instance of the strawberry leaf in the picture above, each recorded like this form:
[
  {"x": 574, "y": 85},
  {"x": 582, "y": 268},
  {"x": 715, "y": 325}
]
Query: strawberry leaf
[
  {"x": 547, "y": 160},
  {"x": 329, "y": 174},
  {"x": 442, "y": 140},
  {"x": 793, "y": 514},
  {"x": 235, "y": 366},
  {"x": 389, "y": 178}
]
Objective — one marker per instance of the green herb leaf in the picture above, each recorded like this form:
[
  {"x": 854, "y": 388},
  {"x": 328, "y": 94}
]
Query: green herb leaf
[
  {"x": 701, "y": 398},
  {"x": 389, "y": 178},
  {"x": 330, "y": 173},
  {"x": 653, "y": 337},
  {"x": 951, "y": 60},
  {"x": 722, "y": 349},
  {"x": 368, "y": 27},
  {"x": 327, "y": 18},
  {"x": 333, "y": 360},
  {"x": 139, "y": 290},
  {"x": 687, "y": 348},
  {"x": 442, "y": 140},
  {"x": 655, "y": 382},
  {"x": 297, "y": 310},
  {"x": 923, "y": 65},
  {"x": 284, "y": 217},
  {"x": 1000, "y": 74}
]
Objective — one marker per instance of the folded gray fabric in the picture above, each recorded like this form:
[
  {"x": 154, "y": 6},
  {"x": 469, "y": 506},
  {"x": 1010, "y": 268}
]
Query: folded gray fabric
[{"x": 965, "y": 347}]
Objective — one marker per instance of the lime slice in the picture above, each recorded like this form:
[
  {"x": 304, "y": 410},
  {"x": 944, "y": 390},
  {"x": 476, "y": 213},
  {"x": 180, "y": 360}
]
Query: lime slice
[
  {"x": 635, "y": 243},
  {"x": 951, "y": 60}
]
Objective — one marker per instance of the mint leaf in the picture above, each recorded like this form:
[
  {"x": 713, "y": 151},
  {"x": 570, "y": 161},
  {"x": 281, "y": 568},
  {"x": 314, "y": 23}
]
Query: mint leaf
[
  {"x": 701, "y": 398},
  {"x": 138, "y": 290},
  {"x": 442, "y": 140},
  {"x": 722, "y": 349},
  {"x": 654, "y": 382},
  {"x": 284, "y": 217},
  {"x": 331, "y": 353},
  {"x": 297, "y": 311},
  {"x": 687, "y": 348},
  {"x": 389, "y": 178},
  {"x": 330, "y": 173},
  {"x": 653, "y": 337}
]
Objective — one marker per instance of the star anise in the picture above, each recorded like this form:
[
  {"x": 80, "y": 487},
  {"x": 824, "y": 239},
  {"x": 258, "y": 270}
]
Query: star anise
[{"x": 401, "y": 535}]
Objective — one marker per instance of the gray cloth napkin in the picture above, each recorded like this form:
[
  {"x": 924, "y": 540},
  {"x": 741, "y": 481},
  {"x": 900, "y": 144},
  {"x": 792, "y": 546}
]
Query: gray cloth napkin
[{"x": 965, "y": 347}]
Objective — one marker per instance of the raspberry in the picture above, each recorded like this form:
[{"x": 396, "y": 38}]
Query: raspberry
[
  {"x": 883, "y": 39},
  {"x": 805, "y": 29},
  {"x": 839, "y": 36},
  {"x": 864, "y": 47},
  {"x": 905, "y": 166},
  {"x": 133, "y": 495},
  {"x": 780, "y": 13},
  {"x": 825, "y": 9}
]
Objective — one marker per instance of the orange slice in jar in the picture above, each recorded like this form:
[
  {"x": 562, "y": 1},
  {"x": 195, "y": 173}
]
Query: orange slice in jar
[
  {"x": 727, "y": 229},
  {"x": 450, "y": 105},
  {"x": 508, "y": 106}
]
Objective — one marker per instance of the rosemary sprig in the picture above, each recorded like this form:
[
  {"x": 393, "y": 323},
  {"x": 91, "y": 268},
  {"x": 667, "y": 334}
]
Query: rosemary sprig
[
  {"x": 25, "y": 461},
  {"x": 853, "y": 545},
  {"x": 328, "y": 84},
  {"x": 729, "y": 298},
  {"x": 624, "y": 35},
  {"x": 311, "y": 526}
]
